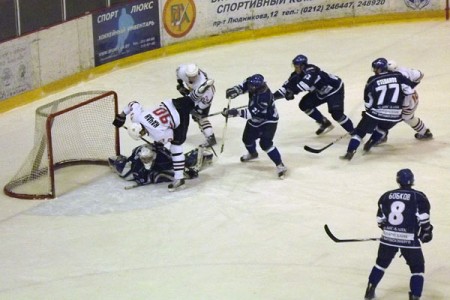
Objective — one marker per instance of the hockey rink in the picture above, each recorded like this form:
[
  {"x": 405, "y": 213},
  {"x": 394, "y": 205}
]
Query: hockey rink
[{"x": 238, "y": 232}]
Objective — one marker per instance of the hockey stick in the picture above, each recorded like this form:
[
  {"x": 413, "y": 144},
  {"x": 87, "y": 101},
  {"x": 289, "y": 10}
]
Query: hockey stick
[
  {"x": 313, "y": 150},
  {"x": 129, "y": 187},
  {"x": 224, "y": 131},
  {"x": 213, "y": 150},
  {"x": 220, "y": 112},
  {"x": 336, "y": 240}
]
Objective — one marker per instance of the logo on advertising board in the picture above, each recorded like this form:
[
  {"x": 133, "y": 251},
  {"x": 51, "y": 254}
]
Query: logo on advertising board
[
  {"x": 16, "y": 71},
  {"x": 124, "y": 31},
  {"x": 417, "y": 4},
  {"x": 179, "y": 17}
]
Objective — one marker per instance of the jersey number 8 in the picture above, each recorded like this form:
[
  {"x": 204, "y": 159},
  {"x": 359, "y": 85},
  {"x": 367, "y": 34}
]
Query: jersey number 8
[{"x": 396, "y": 216}]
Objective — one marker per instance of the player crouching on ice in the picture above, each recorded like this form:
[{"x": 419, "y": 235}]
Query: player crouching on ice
[{"x": 152, "y": 163}]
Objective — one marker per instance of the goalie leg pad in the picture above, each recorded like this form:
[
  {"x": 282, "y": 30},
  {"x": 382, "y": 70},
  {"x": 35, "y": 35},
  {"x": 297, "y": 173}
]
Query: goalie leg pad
[
  {"x": 121, "y": 166},
  {"x": 207, "y": 159},
  {"x": 191, "y": 158}
]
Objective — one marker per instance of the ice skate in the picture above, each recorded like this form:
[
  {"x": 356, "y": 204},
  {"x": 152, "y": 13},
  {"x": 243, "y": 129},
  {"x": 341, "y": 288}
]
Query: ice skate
[
  {"x": 347, "y": 156},
  {"x": 426, "y": 136},
  {"x": 412, "y": 297},
  {"x": 281, "y": 170},
  {"x": 370, "y": 292},
  {"x": 325, "y": 127},
  {"x": 210, "y": 141},
  {"x": 382, "y": 140},
  {"x": 249, "y": 156},
  {"x": 177, "y": 184},
  {"x": 369, "y": 144}
]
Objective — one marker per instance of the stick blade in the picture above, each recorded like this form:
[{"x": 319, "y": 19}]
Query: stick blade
[
  {"x": 312, "y": 150},
  {"x": 336, "y": 240},
  {"x": 330, "y": 235}
]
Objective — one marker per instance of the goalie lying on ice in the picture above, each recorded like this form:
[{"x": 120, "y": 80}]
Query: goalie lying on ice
[{"x": 153, "y": 164}]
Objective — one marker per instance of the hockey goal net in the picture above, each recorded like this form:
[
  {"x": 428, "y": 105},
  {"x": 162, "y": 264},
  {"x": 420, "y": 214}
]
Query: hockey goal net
[{"x": 75, "y": 130}]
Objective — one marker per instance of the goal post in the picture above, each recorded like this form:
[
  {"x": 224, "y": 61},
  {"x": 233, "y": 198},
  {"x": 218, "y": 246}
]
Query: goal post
[
  {"x": 74, "y": 130},
  {"x": 447, "y": 8}
]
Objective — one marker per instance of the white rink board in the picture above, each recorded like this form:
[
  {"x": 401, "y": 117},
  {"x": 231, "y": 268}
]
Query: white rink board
[{"x": 222, "y": 16}]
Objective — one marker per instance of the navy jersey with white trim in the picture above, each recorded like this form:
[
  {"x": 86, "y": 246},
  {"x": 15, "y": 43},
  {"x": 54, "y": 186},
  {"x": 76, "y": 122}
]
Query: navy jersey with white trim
[
  {"x": 261, "y": 106},
  {"x": 402, "y": 211},
  {"x": 384, "y": 95},
  {"x": 313, "y": 79}
]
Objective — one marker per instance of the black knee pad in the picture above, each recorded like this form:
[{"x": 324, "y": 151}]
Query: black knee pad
[
  {"x": 265, "y": 144},
  {"x": 383, "y": 262},
  {"x": 417, "y": 268},
  {"x": 338, "y": 115},
  {"x": 247, "y": 140},
  {"x": 303, "y": 106}
]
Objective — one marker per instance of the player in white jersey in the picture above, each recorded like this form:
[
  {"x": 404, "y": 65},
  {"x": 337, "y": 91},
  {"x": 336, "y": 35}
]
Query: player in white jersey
[
  {"x": 195, "y": 84},
  {"x": 412, "y": 101},
  {"x": 166, "y": 123}
]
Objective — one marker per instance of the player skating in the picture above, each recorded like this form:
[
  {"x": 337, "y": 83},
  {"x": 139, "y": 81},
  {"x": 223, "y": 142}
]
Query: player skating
[
  {"x": 195, "y": 84},
  {"x": 384, "y": 94},
  {"x": 321, "y": 88},
  {"x": 411, "y": 102},
  {"x": 262, "y": 120}
]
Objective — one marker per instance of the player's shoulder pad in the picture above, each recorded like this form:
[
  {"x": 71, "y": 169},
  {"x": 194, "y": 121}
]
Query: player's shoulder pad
[{"x": 311, "y": 68}]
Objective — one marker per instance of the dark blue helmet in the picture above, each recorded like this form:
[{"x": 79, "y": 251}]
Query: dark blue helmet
[
  {"x": 405, "y": 177},
  {"x": 255, "y": 82},
  {"x": 300, "y": 60},
  {"x": 380, "y": 63}
]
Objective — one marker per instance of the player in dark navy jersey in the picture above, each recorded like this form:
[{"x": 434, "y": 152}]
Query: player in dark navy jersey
[
  {"x": 383, "y": 99},
  {"x": 262, "y": 119},
  {"x": 404, "y": 216},
  {"x": 152, "y": 163},
  {"x": 321, "y": 88}
]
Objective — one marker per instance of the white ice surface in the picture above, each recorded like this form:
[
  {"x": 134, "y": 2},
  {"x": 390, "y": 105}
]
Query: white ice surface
[{"x": 238, "y": 232}]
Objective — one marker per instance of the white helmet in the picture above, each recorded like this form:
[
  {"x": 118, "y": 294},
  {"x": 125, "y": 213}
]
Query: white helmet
[
  {"x": 191, "y": 70},
  {"x": 146, "y": 155},
  {"x": 392, "y": 65},
  {"x": 135, "y": 131}
]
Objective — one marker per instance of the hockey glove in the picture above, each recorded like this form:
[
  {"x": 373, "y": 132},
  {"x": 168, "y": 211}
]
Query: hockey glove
[
  {"x": 289, "y": 95},
  {"x": 231, "y": 113},
  {"x": 119, "y": 120},
  {"x": 183, "y": 90},
  {"x": 233, "y": 92},
  {"x": 426, "y": 233},
  {"x": 277, "y": 95},
  {"x": 197, "y": 114}
]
